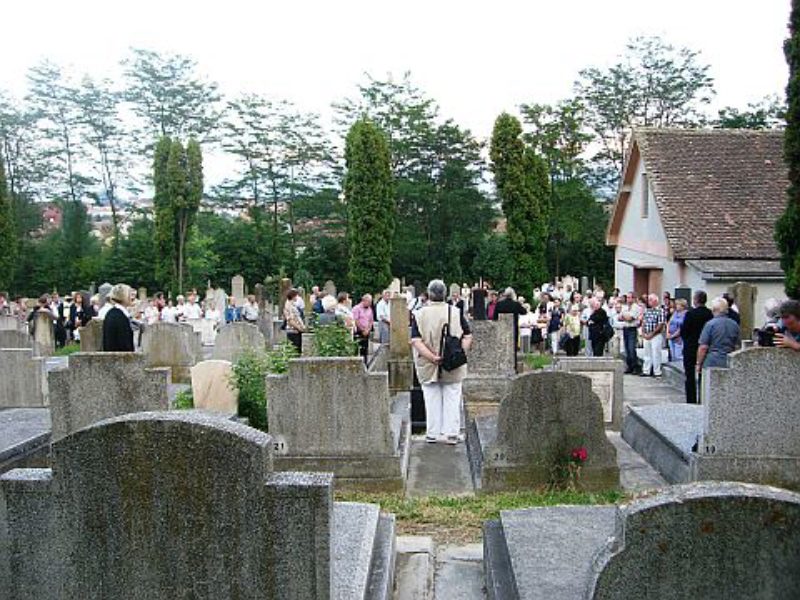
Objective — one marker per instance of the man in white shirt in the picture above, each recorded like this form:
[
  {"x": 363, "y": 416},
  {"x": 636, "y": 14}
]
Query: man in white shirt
[
  {"x": 192, "y": 310},
  {"x": 250, "y": 310},
  {"x": 383, "y": 314}
]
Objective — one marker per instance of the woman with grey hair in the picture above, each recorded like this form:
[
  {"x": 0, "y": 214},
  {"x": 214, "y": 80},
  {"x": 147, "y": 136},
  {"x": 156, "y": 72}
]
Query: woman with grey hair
[{"x": 440, "y": 388}]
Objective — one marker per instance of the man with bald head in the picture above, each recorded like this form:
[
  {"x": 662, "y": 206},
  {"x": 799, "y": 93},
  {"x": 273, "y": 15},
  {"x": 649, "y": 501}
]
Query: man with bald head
[{"x": 653, "y": 335}]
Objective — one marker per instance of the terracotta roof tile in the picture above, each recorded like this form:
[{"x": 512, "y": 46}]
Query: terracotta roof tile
[{"x": 718, "y": 192}]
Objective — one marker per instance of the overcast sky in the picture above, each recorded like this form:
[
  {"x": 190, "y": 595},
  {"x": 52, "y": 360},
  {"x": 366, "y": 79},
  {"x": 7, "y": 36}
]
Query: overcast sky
[{"x": 475, "y": 58}]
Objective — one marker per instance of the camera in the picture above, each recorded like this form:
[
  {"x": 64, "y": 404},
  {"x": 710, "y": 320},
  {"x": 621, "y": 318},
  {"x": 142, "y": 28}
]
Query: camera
[{"x": 766, "y": 336}]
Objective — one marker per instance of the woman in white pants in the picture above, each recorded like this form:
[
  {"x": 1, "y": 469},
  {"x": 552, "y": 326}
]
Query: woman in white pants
[{"x": 441, "y": 389}]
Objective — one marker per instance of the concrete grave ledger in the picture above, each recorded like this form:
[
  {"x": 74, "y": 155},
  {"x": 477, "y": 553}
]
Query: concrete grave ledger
[
  {"x": 101, "y": 385},
  {"x": 544, "y": 417},
  {"x": 173, "y": 345},
  {"x": 715, "y": 541},
  {"x": 331, "y": 414},
  {"x": 166, "y": 505}
]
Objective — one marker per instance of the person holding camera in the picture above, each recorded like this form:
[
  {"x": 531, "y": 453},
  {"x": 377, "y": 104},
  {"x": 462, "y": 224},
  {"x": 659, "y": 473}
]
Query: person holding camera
[{"x": 788, "y": 334}]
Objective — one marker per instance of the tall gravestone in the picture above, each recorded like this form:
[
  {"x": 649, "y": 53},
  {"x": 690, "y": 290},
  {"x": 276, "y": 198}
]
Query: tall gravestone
[
  {"x": 92, "y": 336},
  {"x": 167, "y": 505},
  {"x": 401, "y": 366},
  {"x": 745, "y": 295},
  {"x": 235, "y": 338},
  {"x": 237, "y": 289},
  {"x": 23, "y": 379},
  {"x": 330, "y": 288},
  {"x": 751, "y": 420},
  {"x": 142, "y": 293},
  {"x": 43, "y": 333},
  {"x": 330, "y": 414},
  {"x": 173, "y": 345},
  {"x": 543, "y": 419},
  {"x": 490, "y": 361},
  {"x": 285, "y": 286},
  {"x": 212, "y": 387},
  {"x": 101, "y": 385}
]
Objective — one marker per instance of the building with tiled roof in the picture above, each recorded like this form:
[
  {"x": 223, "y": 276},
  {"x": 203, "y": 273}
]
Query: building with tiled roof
[{"x": 697, "y": 209}]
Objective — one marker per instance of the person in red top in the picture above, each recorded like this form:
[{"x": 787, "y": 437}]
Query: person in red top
[{"x": 491, "y": 306}]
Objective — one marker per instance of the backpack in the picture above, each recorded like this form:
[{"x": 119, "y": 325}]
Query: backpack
[
  {"x": 608, "y": 332},
  {"x": 453, "y": 355}
]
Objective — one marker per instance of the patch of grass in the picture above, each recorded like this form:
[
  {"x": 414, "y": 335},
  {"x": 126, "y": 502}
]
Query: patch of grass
[
  {"x": 459, "y": 519},
  {"x": 67, "y": 350},
  {"x": 538, "y": 361}
]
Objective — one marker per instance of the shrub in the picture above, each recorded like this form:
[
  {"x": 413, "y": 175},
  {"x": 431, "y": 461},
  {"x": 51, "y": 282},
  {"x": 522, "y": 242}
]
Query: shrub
[
  {"x": 184, "y": 399},
  {"x": 334, "y": 340},
  {"x": 248, "y": 377}
]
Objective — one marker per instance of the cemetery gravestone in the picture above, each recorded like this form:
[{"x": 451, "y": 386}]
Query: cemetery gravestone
[
  {"x": 92, "y": 336},
  {"x": 285, "y": 286},
  {"x": 454, "y": 289},
  {"x": 307, "y": 345},
  {"x": 174, "y": 345},
  {"x": 235, "y": 338},
  {"x": 330, "y": 414},
  {"x": 491, "y": 360},
  {"x": 543, "y": 419},
  {"x": 100, "y": 385},
  {"x": 330, "y": 288},
  {"x": 401, "y": 366},
  {"x": 9, "y": 323},
  {"x": 208, "y": 518},
  {"x": 745, "y": 295},
  {"x": 23, "y": 379},
  {"x": 142, "y": 293},
  {"x": 584, "y": 284},
  {"x": 394, "y": 286},
  {"x": 43, "y": 333},
  {"x": 607, "y": 376},
  {"x": 237, "y": 289},
  {"x": 714, "y": 541},
  {"x": 751, "y": 420},
  {"x": 213, "y": 388},
  {"x": 18, "y": 339}
]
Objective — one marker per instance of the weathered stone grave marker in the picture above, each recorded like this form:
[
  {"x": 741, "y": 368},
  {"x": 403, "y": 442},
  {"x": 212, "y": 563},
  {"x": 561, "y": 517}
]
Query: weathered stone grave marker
[
  {"x": 235, "y": 338},
  {"x": 173, "y": 345}
]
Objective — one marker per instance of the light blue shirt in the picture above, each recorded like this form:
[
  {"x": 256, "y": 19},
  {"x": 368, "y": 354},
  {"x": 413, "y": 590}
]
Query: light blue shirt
[{"x": 721, "y": 334}]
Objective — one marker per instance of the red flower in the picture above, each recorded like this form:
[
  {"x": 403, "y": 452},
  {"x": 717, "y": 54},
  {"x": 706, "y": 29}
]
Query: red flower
[{"x": 580, "y": 454}]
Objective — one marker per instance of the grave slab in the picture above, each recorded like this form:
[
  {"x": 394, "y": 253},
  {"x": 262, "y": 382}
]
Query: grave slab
[
  {"x": 714, "y": 541},
  {"x": 607, "y": 375},
  {"x": 24, "y": 438},
  {"x": 23, "y": 379},
  {"x": 235, "y": 338},
  {"x": 173, "y": 345}
]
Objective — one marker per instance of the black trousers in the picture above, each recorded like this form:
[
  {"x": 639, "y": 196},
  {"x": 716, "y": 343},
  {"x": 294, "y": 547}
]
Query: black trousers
[
  {"x": 297, "y": 340},
  {"x": 363, "y": 346},
  {"x": 692, "y": 379},
  {"x": 572, "y": 346},
  {"x": 598, "y": 347}
]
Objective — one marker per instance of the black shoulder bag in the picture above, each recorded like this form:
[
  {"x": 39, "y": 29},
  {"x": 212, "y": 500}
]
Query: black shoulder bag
[{"x": 453, "y": 355}]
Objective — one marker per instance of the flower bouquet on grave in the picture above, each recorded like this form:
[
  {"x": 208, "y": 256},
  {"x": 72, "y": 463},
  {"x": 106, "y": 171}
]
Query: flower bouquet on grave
[{"x": 566, "y": 470}]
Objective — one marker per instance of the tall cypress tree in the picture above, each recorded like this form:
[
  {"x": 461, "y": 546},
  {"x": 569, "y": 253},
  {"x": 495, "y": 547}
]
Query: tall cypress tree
[
  {"x": 523, "y": 186},
  {"x": 177, "y": 187},
  {"x": 186, "y": 185},
  {"x": 163, "y": 216},
  {"x": 8, "y": 242},
  {"x": 369, "y": 194},
  {"x": 787, "y": 230}
]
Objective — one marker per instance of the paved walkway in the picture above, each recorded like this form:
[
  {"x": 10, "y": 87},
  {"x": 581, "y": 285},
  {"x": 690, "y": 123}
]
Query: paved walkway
[
  {"x": 438, "y": 469},
  {"x": 643, "y": 391}
]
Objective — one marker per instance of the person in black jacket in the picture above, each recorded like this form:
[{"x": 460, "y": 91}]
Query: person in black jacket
[
  {"x": 508, "y": 305},
  {"x": 80, "y": 312},
  {"x": 692, "y": 326},
  {"x": 117, "y": 331},
  {"x": 597, "y": 327}
]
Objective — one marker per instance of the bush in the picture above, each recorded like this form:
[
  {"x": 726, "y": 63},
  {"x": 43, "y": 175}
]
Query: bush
[
  {"x": 334, "y": 340},
  {"x": 67, "y": 350},
  {"x": 184, "y": 399},
  {"x": 248, "y": 377}
]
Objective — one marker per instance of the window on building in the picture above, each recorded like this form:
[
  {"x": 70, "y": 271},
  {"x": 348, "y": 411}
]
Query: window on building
[{"x": 645, "y": 196}]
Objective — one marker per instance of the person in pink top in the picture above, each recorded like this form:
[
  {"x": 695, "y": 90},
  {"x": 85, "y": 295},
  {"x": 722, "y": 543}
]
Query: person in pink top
[{"x": 363, "y": 318}]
